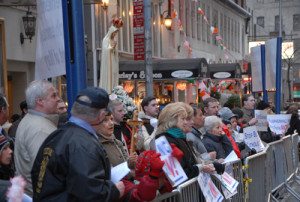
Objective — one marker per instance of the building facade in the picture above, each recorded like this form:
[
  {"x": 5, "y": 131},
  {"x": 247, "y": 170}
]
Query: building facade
[
  {"x": 265, "y": 24},
  {"x": 211, "y": 29}
]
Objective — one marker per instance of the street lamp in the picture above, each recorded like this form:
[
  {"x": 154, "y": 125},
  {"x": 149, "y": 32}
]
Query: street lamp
[
  {"x": 167, "y": 20},
  {"x": 29, "y": 26},
  {"x": 104, "y": 4}
]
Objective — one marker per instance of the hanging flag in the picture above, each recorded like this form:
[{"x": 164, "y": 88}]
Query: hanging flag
[
  {"x": 200, "y": 11},
  {"x": 214, "y": 30}
]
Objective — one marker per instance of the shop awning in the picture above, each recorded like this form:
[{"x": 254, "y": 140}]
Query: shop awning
[
  {"x": 163, "y": 69},
  {"x": 224, "y": 71}
]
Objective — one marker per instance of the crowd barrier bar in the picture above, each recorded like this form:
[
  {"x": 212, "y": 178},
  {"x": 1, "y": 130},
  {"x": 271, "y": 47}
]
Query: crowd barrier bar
[
  {"x": 267, "y": 175},
  {"x": 256, "y": 184},
  {"x": 190, "y": 191},
  {"x": 173, "y": 196}
]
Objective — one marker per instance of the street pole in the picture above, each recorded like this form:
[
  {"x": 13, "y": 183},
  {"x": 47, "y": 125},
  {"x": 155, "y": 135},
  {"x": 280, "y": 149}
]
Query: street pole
[
  {"x": 148, "y": 48},
  {"x": 74, "y": 48},
  {"x": 280, "y": 18}
]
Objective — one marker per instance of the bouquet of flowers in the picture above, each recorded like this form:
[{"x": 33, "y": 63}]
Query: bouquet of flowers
[{"x": 118, "y": 93}]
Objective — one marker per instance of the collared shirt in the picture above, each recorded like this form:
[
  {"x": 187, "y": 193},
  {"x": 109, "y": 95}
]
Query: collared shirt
[{"x": 83, "y": 124}]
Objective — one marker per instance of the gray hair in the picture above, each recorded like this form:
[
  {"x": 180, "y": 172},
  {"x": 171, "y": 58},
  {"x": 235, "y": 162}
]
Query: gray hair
[
  {"x": 85, "y": 112},
  {"x": 37, "y": 89},
  {"x": 112, "y": 105},
  {"x": 210, "y": 122}
]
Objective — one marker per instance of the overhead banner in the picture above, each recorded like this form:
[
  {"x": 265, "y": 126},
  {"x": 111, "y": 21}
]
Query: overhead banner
[
  {"x": 256, "y": 69},
  {"x": 271, "y": 58},
  {"x": 138, "y": 30},
  {"x": 50, "y": 48}
]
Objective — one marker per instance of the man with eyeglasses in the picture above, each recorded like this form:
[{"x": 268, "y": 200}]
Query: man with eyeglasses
[
  {"x": 71, "y": 164},
  {"x": 248, "y": 109}
]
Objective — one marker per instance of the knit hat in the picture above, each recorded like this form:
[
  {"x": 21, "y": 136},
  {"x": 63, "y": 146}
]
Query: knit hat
[
  {"x": 226, "y": 114},
  {"x": 3, "y": 142}
]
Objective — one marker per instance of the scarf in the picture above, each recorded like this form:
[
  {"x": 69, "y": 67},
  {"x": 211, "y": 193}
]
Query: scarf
[{"x": 176, "y": 133}]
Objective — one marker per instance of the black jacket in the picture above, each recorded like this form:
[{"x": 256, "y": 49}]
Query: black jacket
[
  {"x": 220, "y": 144},
  {"x": 4, "y": 185},
  {"x": 72, "y": 165},
  {"x": 188, "y": 162}
]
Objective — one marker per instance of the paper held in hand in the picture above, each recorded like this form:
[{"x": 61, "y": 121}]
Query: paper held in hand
[
  {"x": 119, "y": 171},
  {"x": 172, "y": 167},
  {"x": 262, "y": 122},
  {"x": 227, "y": 182},
  {"x": 279, "y": 123},
  {"x": 231, "y": 158},
  {"x": 209, "y": 189},
  {"x": 252, "y": 139}
]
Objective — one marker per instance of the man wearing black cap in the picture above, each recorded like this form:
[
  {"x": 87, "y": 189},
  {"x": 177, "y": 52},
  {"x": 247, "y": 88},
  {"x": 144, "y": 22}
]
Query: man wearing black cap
[{"x": 71, "y": 165}]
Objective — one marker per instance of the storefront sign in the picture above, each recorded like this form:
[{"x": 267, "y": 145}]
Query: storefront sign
[
  {"x": 182, "y": 74},
  {"x": 138, "y": 30},
  {"x": 222, "y": 75},
  {"x": 164, "y": 74}
]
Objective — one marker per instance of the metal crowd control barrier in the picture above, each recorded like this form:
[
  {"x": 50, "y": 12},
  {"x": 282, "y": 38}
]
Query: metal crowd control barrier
[
  {"x": 288, "y": 150},
  {"x": 237, "y": 175},
  {"x": 256, "y": 185},
  {"x": 268, "y": 176},
  {"x": 276, "y": 163},
  {"x": 173, "y": 196},
  {"x": 190, "y": 191}
]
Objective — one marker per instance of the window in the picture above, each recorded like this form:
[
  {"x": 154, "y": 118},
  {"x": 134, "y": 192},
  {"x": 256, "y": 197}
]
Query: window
[
  {"x": 277, "y": 23},
  {"x": 155, "y": 30},
  {"x": 215, "y": 23},
  {"x": 188, "y": 18},
  {"x": 260, "y": 21},
  {"x": 296, "y": 22},
  {"x": 193, "y": 19},
  {"x": 199, "y": 23},
  {"x": 204, "y": 27},
  {"x": 208, "y": 26}
]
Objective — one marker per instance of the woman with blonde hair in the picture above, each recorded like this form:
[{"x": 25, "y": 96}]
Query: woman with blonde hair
[{"x": 171, "y": 123}]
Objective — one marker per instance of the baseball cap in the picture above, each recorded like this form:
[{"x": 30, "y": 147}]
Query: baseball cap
[
  {"x": 99, "y": 97},
  {"x": 226, "y": 114}
]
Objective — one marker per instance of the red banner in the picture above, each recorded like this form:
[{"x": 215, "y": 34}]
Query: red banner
[{"x": 138, "y": 30}]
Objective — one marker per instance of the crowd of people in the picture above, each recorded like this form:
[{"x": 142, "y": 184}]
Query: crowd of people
[{"x": 70, "y": 159}]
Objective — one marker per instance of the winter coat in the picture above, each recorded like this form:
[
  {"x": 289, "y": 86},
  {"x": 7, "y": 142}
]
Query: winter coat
[
  {"x": 294, "y": 125},
  {"x": 72, "y": 165},
  {"x": 6, "y": 172},
  {"x": 4, "y": 185},
  {"x": 219, "y": 144},
  {"x": 188, "y": 162},
  {"x": 196, "y": 138},
  {"x": 115, "y": 150},
  {"x": 232, "y": 141},
  {"x": 33, "y": 129},
  {"x": 123, "y": 133}
]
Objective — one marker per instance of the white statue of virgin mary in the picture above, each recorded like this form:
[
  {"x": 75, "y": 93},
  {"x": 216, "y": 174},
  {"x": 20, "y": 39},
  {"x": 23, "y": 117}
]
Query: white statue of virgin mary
[{"x": 109, "y": 70}]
